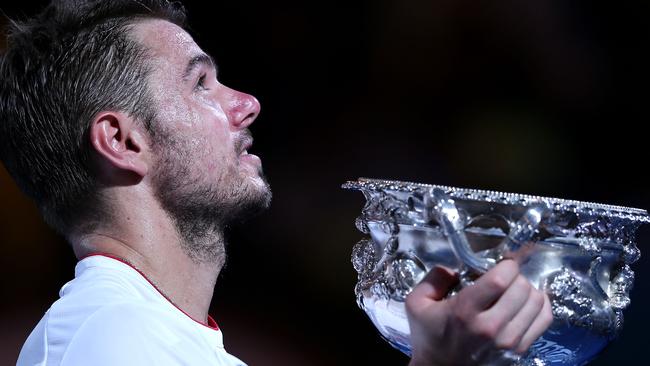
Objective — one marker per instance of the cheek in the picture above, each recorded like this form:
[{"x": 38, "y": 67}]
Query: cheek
[
  {"x": 175, "y": 115},
  {"x": 216, "y": 150},
  {"x": 200, "y": 127},
  {"x": 210, "y": 105},
  {"x": 209, "y": 111},
  {"x": 215, "y": 135}
]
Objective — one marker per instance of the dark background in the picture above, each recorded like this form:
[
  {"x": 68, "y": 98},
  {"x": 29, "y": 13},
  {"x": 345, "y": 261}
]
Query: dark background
[{"x": 538, "y": 97}]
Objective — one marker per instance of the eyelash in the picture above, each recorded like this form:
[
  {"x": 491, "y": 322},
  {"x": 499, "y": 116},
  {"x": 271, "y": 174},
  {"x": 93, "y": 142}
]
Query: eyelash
[{"x": 200, "y": 84}]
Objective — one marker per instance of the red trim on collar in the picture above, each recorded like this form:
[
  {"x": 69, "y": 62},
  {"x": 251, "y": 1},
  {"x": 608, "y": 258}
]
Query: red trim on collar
[{"x": 210, "y": 324}]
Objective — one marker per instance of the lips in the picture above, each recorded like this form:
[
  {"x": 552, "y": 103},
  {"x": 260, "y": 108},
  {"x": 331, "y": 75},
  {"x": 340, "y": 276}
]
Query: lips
[
  {"x": 243, "y": 143},
  {"x": 247, "y": 145}
]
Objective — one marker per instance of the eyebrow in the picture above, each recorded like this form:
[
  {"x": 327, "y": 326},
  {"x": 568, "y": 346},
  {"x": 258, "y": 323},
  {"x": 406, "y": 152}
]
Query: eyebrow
[{"x": 202, "y": 59}]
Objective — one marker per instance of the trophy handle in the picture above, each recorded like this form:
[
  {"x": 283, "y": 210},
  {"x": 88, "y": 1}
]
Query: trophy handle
[
  {"x": 522, "y": 231},
  {"x": 444, "y": 210}
]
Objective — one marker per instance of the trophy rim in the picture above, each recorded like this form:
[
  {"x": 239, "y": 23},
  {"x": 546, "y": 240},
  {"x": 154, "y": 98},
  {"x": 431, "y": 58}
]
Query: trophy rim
[{"x": 490, "y": 196}]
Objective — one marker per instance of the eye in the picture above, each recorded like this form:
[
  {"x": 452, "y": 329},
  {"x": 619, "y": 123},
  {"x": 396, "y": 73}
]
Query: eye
[{"x": 200, "y": 84}]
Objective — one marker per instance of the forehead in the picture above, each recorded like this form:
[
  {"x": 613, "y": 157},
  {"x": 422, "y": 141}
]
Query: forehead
[{"x": 167, "y": 42}]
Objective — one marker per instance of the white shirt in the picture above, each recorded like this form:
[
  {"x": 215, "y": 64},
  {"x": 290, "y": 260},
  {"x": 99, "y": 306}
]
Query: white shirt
[{"x": 110, "y": 314}]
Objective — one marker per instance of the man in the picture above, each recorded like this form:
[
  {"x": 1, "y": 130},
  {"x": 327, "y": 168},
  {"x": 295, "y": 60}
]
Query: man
[{"x": 114, "y": 122}]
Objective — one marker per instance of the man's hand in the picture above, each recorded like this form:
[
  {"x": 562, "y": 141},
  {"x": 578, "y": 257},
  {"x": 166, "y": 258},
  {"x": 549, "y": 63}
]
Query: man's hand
[{"x": 501, "y": 311}]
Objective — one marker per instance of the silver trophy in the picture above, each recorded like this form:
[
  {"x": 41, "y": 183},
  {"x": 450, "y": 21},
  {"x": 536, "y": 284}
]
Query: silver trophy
[{"x": 579, "y": 253}]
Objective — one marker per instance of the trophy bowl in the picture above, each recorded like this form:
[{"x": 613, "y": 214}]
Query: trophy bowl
[{"x": 579, "y": 253}]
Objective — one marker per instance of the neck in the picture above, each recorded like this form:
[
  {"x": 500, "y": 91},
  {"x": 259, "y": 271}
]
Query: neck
[{"x": 150, "y": 242}]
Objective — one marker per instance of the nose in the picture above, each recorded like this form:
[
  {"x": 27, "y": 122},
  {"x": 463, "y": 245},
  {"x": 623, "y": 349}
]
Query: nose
[{"x": 243, "y": 109}]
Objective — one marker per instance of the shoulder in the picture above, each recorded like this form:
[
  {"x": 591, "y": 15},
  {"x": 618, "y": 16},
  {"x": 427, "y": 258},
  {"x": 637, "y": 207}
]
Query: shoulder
[
  {"x": 123, "y": 334},
  {"x": 133, "y": 333},
  {"x": 97, "y": 294}
]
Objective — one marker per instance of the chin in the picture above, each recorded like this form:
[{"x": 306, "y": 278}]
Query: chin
[
  {"x": 254, "y": 177},
  {"x": 263, "y": 192},
  {"x": 256, "y": 198}
]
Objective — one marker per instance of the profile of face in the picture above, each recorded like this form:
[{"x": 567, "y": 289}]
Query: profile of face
[{"x": 203, "y": 176}]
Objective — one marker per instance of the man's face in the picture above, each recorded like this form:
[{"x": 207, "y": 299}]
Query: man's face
[{"x": 204, "y": 177}]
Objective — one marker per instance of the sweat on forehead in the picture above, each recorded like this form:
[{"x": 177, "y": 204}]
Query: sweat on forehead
[{"x": 162, "y": 38}]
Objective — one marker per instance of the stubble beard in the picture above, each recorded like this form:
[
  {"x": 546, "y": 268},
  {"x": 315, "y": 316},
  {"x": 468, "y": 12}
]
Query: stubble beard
[{"x": 201, "y": 210}]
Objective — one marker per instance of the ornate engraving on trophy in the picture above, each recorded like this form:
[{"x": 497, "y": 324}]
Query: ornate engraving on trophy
[{"x": 579, "y": 253}]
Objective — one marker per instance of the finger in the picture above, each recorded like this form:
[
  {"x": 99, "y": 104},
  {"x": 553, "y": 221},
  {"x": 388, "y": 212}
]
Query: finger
[
  {"x": 509, "y": 304},
  {"x": 435, "y": 285},
  {"x": 489, "y": 287},
  {"x": 538, "y": 327},
  {"x": 513, "y": 333}
]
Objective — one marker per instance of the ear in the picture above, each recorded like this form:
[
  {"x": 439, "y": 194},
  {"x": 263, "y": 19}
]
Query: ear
[{"x": 120, "y": 145}]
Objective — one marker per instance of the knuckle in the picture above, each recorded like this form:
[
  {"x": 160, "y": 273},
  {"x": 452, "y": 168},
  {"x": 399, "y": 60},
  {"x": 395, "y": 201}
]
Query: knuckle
[
  {"x": 537, "y": 297},
  {"x": 522, "y": 283},
  {"x": 486, "y": 330},
  {"x": 509, "y": 342},
  {"x": 461, "y": 315},
  {"x": 521, "y": 349},
  {"x": 509, "y": 266},
  {"x": 499, "y": 283}
]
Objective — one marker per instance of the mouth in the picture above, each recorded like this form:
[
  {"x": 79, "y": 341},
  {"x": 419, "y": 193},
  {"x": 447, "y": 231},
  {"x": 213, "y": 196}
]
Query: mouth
[
  {"x": 244, "y": 143},
  {"x": 247, "y": 145}
]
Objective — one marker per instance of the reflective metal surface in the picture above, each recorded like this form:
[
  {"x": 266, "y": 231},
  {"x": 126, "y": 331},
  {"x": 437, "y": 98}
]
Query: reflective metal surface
[{"x": 580, "y": 253}]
